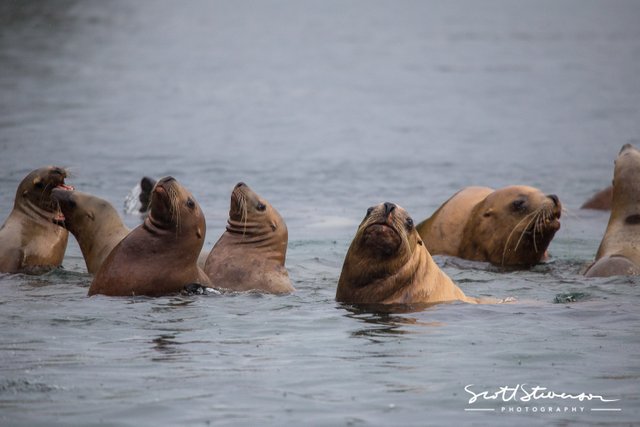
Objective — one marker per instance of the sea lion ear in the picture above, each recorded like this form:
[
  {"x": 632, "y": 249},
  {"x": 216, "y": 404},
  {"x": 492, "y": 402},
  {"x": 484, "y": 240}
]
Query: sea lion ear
[
  {"x": 420, "y": 242},
  {"x": 199, "y": 233},
  {"x": 488, "y": 213},
  {"x": 274, "y": 227},
  {"x": 37, "y": 181},
  {"x": 91, "y": 215}
]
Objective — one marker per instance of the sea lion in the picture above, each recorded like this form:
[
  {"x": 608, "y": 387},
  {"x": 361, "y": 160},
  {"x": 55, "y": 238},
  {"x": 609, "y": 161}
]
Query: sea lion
[
  {"x": 619, "y": 251},
  {"x": 602, "y": 200},
  {"x": 250, "y": 254},
  {"x": 30, "y": 239},
  {"x": 146, "y": 185},
  {"x": 160, "y": 256},
  {"x": 94, "y": 223},
  {"x": 509, "y": 227},
  {"x": 387, "y": 263}
]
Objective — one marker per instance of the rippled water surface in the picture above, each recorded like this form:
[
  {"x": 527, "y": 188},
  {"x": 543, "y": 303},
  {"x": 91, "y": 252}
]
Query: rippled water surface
[{"x": 324, "y": 108}]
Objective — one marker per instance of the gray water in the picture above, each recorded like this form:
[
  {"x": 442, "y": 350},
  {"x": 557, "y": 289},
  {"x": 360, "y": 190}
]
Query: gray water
[{"x": 324, "y": 108}]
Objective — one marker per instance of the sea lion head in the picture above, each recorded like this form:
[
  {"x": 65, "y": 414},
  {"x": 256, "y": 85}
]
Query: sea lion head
[
  {"x": 387, "y": 231},
  {"x": 383, "y": 257},
  {"x": 34, "y": 192},
  {"x": 82, "y": 211},
  {"x": 254, "y": 217},
  {"x": 512, "y": 226},
  {"x": 173, "y": 209},
  {"x": 626, "y": 185}
]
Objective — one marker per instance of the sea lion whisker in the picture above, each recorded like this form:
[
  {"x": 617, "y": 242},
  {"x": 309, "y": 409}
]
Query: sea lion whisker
[
  {"x": 244, "y": 213},
  {"x": 525, "y": 229},
  {"x": 515, "y": 227},
  {"x": 174, "y": 207}
]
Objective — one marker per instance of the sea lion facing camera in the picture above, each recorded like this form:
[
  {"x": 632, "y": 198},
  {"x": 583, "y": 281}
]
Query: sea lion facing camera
[
  {"x": 509, "y": 227},
  {"x": 160, "y": 256},
  {"x": 387, "y": 263},
  {"x": 31, "y": 239},
  {"x": 619, "y": 251},
  {"x": 250, "y": 254}
]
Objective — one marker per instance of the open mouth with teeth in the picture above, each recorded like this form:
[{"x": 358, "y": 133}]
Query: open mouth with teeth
[{"x": 59, "y": 217}]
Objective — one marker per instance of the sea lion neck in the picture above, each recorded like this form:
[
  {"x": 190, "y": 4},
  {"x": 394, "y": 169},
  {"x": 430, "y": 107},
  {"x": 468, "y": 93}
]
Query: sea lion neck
[
  {"x": 156, "y": 226},
  {"x": 250, "y": 229},
  {"x": 32, "y": 210},
  {"x": 389, "y": 280}
]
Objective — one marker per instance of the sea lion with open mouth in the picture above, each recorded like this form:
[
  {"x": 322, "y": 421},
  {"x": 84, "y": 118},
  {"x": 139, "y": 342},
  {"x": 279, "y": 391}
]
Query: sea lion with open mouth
[
  {"x": 31, "y": 239},
  {"x": 509, "y": 227}
]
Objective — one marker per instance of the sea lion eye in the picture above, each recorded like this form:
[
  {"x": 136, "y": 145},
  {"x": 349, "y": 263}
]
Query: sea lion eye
[
  {"x": 261, "y": 207},
  {"x": 518, "y": 205},
  {"x": 409, "y": 223},
  {"x": 191, "y": 204}
]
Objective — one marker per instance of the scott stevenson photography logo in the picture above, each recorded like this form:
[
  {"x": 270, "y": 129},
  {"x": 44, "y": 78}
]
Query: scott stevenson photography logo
[{"x": 522, "y": 398}]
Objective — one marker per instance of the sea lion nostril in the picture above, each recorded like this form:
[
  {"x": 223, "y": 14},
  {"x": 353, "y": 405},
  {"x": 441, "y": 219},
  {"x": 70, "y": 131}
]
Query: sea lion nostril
[
  {"x": 556, "y": 200},
  {"x": 388, "y": 208},
  {"x": 240, "y": 184},
  {"x": 167, "y": 179}
]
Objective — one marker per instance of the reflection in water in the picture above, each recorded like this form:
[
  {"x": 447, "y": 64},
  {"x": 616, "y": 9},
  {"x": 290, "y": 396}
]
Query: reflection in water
[
  {"x": 385, "y": 318},
  {"x": 168, "y": 348}
]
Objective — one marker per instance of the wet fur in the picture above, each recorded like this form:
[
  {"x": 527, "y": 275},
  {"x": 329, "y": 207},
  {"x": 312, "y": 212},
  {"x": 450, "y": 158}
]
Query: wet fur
[
  {"x": 406, "y": 275},
  {"x": 250, "y": 255}
]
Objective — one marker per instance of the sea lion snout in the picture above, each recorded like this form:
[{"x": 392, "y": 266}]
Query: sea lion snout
[
  {"x": 388, "y": 208},
  {"x": 166, "y": 179},
  {"x": 626, "y": 147}
]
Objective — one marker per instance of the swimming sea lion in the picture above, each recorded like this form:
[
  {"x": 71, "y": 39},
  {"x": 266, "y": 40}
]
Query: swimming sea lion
[
  {"x": 512, "y": 226},
  {"x": 600, "y": 201},
  {"x": 94, "y": 223},
  {"x": 160, "y": 256},
  {"x": 250, "y": 254},
  {"x": 30, "y": 239},
  {"x": 387, "y": 263},
  {"x": 619, "y": 251}
]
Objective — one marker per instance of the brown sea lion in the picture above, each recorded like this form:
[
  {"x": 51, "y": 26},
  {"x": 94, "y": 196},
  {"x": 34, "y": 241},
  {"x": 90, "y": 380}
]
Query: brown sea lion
[
  {"x": 250, "y": 254},
  {"x": 160, "y": 256},
  {"x": 619, "y": 251},
  {"x": 30, "y": 239},
  {"x": 387, "y": 263},
  {"x": 94, "y": 223},
  {"x": 509, "y": 227},
  {"x": 602, "y": 200}
]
